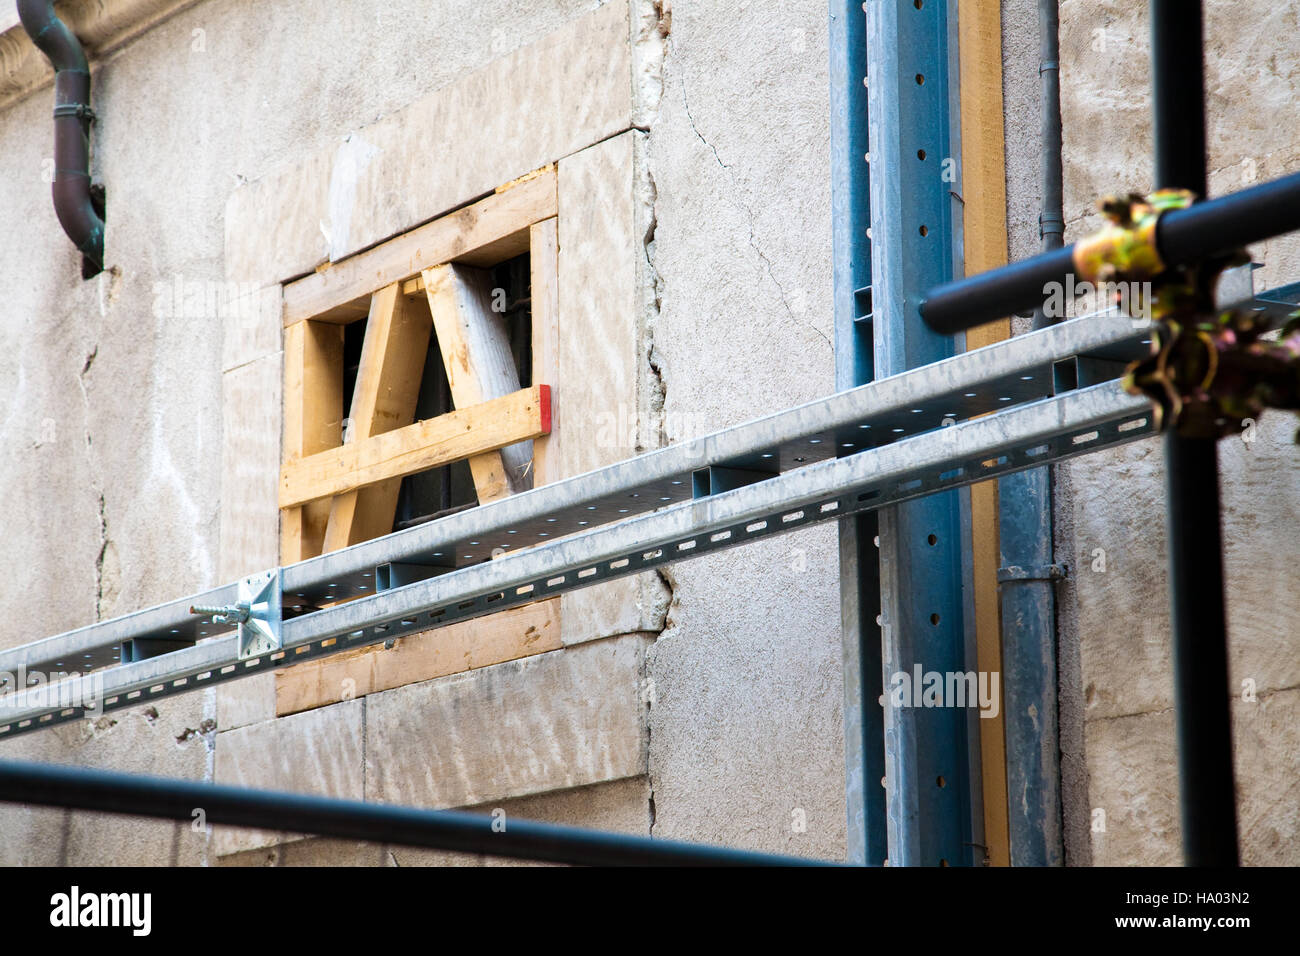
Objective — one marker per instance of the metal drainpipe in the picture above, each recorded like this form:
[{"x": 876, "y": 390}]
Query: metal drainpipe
[
  {"x": 74, "y": 203},
  {"x": 1027, "y": 578}
]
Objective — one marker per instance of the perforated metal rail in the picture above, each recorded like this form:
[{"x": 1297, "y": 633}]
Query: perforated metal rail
[
  {"x": 1048, "y": 430},
  {"x": 1028, "y": 368}
]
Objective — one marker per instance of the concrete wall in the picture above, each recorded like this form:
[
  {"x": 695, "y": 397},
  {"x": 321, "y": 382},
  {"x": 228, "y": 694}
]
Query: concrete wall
[
  {"x": 1113, "y": 502},
  {"x": 256, "y": 142},
  {"x": 252, "y": 143}
]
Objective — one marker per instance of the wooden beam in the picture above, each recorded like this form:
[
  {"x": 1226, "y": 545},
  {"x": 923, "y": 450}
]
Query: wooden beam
[
  {"x": 483, "y": 233},
  {"x": 313, "y": 422},
  {"x": 456, "y": 648},
  {"x": 384, "y": 399},
  {"x": 475, "y": 347},
  {"x": 983, "y": 159},
  {"x": 459, "y": 434},
  {"x": 544, "y": 290}
]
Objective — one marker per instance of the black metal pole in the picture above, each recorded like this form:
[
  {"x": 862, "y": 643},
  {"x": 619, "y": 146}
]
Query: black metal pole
[
  {"x": 80, "y": 788},
  {"x": 1184, "y": 235},
  {"x": 1200, "y": 651}
]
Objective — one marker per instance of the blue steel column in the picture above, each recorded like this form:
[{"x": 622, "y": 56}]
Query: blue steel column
[
  {"x": 929, "y": 751},
  {"x": 864, "y": 749}
]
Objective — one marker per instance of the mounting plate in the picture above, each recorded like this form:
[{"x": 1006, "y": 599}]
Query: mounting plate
[{"x": 260, "y": 633}]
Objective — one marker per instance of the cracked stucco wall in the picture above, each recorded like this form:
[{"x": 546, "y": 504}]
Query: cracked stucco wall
[
  {"x": 746, "y": 728},
  {"x": 114, "y": 412},
  {"x": 120, "y": 391},
  {"x": 116, "y": 406}
]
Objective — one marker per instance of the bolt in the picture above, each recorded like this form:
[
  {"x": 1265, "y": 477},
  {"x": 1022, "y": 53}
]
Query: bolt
[{"x": 233, "y": 614}]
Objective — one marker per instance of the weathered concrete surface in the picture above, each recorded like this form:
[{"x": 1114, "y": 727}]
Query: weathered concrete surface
[
  {"x": 316, "y": 752},
  {"x": 1266, "y": 732},
  {"x": 100, "y": 25},
  {"x": 486, "y": 128},
  {"x": 607, "y": 391},
  {"x": 1115, "y": 498},
  {"x": 168, "y": 739},
  {"x": 746, "y": 723},
  {"x": 116, "y": 393},
  {"x": 247, "y": 701},
  {"x": 619, "y": 807},
  {"x": 250, "y": 466},
  {"x": 111, "y": 486},
  {"x": 557, "y": 720},
  {"x": 1133, "y": 781}
]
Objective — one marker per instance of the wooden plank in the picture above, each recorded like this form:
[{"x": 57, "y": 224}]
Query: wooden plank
[
  {"x": 985, "y": 243},
  {"x": 483, "y": 233},
  {"x": 544, "y": 289},
  {"x": 434, "y": 442},
  {"x": 384, "y": 399},
  {"x": 456, "y": 648},
  {"x": 475, "y": 347},
  {"x": 313, "y": 422}
]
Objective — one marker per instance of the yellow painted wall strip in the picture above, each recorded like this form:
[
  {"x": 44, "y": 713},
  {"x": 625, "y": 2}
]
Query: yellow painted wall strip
[{"x": 983, "y": 155}]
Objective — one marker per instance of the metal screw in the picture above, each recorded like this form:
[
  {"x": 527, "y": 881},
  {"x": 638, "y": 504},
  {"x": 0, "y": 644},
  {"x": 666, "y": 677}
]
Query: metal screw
[{"x": 232, "y": 614}]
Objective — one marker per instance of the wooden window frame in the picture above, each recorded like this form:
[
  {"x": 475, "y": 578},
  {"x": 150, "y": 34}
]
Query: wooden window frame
[
  {"x": 338, "y": 489},
  {"x": 325, "y": 481}
]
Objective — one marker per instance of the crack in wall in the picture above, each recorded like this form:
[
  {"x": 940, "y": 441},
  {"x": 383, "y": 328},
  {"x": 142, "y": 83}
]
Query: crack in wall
[
  {"x": 657, "y": 386},
  {"x": 96, "y": 482},
  {"x": 749, "y": 216},
  {"x": 651, "y": 26}
]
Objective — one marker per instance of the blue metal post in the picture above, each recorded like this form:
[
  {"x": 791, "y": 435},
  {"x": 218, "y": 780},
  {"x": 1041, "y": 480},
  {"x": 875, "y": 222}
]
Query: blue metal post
[
  {"x": 933, "y": 785},
  {"x": 864, "y": 749},
  {"x": 1028, "y": 598}
]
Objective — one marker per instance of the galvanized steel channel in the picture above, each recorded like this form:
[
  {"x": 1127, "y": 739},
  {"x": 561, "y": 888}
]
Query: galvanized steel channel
[{"x": 975, "y": 450}]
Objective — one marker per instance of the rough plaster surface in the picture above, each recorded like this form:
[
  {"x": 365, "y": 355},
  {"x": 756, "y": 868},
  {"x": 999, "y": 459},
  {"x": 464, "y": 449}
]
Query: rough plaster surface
[
  {"x": 463, "y": 140},
  {"x": 553, "y": 721},
  {"x": 316, "y": 752},
  {"x": 115, "y": 418},
  {"x": 746, "y": 720},
  {"x": 1115, "y": 498},
  {"x": 619, "y": 806},
  {"x": 169, "y": 738}
]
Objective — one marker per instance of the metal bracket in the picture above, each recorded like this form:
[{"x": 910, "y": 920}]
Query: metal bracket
[
  {"x": 398, "y": 574},
  {"x": 81, "y": 111},
  {"x": 1044, "y": 572},
  {"x": 716, "y": 479},
  {"x": 256, "y": 611}
]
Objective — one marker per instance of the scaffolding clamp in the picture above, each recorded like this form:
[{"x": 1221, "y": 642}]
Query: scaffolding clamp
[{"x": 1210, "y": 373}]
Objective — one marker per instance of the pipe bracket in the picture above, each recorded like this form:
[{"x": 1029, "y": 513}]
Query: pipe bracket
[{"x": 81, "y": 111}]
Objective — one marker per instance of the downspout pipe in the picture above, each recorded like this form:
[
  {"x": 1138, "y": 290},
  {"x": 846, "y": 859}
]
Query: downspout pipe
[
  {"x": 1051, "y": 221},
  {"x": 1027, "y": 576},
  {"x": 73, "y": 200}
]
